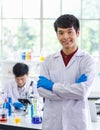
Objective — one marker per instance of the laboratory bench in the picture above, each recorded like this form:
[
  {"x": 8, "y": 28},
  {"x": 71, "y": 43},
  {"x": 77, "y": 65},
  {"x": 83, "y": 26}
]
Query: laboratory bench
[
  {"x": 94, "y": 103},
  {"x": 11, "y": 127},
  {"x": 25, "y": 124},
  {"x": 94, "y": 95},
  {"x": 6, "y": 126},
  {"x": 96, "y": 125}
]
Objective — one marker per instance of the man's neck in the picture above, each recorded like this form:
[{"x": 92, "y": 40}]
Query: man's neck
[{"x": 70, "y": 50}]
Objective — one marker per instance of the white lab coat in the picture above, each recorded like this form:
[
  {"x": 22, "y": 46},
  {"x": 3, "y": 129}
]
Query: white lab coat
[
  {"x": 66, "y": 107},
  {"x": 11, "y": 90}
]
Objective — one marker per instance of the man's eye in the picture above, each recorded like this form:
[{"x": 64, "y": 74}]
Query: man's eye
[
  {"x": 70, "y": 32},
  {"x": 60, "y": 33}
]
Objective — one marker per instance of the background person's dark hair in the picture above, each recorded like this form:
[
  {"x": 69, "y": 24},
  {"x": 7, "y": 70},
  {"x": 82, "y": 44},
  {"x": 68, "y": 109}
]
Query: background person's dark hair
[
  {"x": 20, "y": 69},
  {"x": 67, "y": 21}
]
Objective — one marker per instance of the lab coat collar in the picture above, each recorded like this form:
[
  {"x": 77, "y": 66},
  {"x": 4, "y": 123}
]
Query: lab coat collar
[{"x": 77, "y": 54}]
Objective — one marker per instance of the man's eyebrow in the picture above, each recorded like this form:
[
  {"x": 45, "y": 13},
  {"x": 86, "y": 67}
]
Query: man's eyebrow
[
  {"x": 60, "y": 30},
  {"x": 69, "y": 29}
]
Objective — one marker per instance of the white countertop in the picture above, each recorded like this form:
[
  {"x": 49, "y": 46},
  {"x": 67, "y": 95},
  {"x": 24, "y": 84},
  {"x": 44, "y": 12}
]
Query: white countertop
[
  {"x": 96, "y": 125},
  {"x": 94, "y": 95},
  {"x": 25, "y": 122}
]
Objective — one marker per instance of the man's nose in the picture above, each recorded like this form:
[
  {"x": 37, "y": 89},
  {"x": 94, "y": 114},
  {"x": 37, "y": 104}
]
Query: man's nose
[
  {"x": 20, "y": 81},
  {"x": 65, "y": 35}
]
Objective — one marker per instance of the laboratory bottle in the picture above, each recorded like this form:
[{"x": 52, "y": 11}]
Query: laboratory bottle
[
  {"x": 28, "y": 56},
  {"x": 42, "y": 55},
  {"x": 4, "y": 112},
  {"x": 23, "y": 56},
  {"x": 30, "y": 111},
  {"x": 34, "y": 107},
  {"x": 36, "y": 119},
  {"x": 9, "y": 106}
]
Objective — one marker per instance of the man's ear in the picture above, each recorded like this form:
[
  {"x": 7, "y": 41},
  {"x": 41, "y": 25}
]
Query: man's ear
[
  {"x": 78, "y": 33},
  {"x": 27, "y": 74}
]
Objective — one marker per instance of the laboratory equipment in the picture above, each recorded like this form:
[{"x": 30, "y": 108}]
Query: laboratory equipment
[
  {"x": 36, "y": 118},
  {"x": 34, "y": 106},
  {"x": 17, "y": 120},
  {"x": 18, "y": 105},
  {"x": 9, "y": 106},
  {"x": 3, "y": 112}
]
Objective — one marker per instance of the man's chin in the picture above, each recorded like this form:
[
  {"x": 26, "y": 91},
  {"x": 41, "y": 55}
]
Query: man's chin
[{"x": 20, "y": 86}]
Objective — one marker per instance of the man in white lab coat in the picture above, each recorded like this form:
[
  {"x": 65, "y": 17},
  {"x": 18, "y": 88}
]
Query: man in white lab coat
[
  {"x": 65, "y": 80},
  {"x": 19, "y": 87}
]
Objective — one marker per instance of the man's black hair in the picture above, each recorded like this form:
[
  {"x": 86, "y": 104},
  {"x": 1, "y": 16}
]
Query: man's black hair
[
  {"x": 67, "y": 21},
  {"x": 20, "y": 69}
]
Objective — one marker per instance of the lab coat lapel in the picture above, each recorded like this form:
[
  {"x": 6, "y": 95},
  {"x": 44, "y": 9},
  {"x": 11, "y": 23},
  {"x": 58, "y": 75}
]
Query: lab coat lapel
[
  {"x": 79, "y": 53},
  {"x": 73, "y": 59}
]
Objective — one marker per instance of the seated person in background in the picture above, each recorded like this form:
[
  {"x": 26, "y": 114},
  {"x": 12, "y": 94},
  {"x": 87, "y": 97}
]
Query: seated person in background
[{"x": 19, "y": 87}]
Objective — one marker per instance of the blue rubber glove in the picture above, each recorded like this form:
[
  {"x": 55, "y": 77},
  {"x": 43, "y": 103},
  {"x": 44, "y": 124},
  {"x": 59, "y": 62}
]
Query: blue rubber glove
[
  {"x": 45, "y": 83},
  {"x": 18, "y": 105},
  {"x": 82, "y": 78}
]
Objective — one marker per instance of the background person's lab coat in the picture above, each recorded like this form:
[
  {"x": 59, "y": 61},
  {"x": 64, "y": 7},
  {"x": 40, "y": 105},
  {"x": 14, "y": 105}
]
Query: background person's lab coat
[
  {"x": 11, "y": 90},
  {"x": 66, "y": 108}
]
